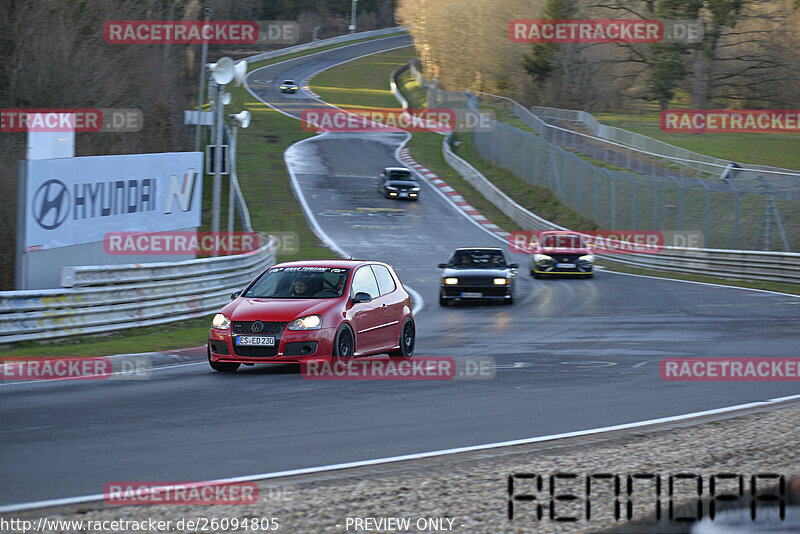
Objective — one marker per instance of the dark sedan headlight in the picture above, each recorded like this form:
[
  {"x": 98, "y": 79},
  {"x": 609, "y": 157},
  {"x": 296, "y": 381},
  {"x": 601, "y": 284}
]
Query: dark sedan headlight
[
  {"x": 541, "y": 257},
  {"x": 309, "y": 322},
  {"x": 501, "y": 281},
  {"x": 589, "y": 258},
  {"x": 450, "y": 281}
]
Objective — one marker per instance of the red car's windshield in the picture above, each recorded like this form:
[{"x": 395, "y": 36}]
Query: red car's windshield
[{"x": 300, "y": 283}]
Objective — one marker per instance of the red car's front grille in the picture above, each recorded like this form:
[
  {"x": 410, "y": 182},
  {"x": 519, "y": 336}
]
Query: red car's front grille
[
  {"x": 269, "y": 327},
  {"x": 476, "y": 281}
]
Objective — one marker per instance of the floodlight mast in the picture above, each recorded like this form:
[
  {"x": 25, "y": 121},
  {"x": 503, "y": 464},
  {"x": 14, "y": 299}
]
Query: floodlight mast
[
  {"x": 223, "y": 73},
  {"x": 352, "y": 26},
  {"x": 239, "y": 119}
]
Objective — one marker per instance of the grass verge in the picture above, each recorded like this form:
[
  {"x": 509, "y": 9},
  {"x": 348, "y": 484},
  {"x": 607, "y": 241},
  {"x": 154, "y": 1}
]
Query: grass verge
[
  {"x": 412, "y": 91},
  {"x": 191, "y": 333}
]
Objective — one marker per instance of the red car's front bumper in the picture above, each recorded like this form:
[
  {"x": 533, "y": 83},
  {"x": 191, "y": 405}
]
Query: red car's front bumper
[{"x": 291, "y": 346}]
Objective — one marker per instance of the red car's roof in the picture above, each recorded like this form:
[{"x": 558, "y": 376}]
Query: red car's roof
[{"x": 341, "y": 264}]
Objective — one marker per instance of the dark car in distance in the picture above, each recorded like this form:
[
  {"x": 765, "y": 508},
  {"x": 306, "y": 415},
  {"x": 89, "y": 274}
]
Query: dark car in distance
[
  {"x": 289, "y": 86},
  {"x": 475, "y": 274},
  {"x": 398, "y": 182}
]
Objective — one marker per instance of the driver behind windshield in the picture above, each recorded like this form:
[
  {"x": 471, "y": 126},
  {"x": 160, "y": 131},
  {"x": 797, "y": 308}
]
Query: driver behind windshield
[
  {"x": 300, "y": 288},
  {"x": 498, "y": 260}
]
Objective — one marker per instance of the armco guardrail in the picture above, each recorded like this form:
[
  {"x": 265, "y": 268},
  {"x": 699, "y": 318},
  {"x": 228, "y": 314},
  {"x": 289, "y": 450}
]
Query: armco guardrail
[
  {"x": 654, "y": 147},
  {"x": 732, "y": 264},
  {"x": 324, "y": 42},
  {"x": 129, "y": 295},
  {"x": 393, "y": 86}
]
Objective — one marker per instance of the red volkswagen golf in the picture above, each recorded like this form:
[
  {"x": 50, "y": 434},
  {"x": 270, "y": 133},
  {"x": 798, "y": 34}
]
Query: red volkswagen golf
[{"x": 340, "y": 308}]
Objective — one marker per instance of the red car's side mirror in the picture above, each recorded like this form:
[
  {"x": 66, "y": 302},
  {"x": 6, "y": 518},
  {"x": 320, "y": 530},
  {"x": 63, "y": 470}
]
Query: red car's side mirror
[{"x": 361, "y": 297}]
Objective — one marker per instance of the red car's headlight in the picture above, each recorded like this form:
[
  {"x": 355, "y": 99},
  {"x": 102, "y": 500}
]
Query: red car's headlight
[
  {"x": 309, "y": 322},
  {"x": 220, "y": 322}
]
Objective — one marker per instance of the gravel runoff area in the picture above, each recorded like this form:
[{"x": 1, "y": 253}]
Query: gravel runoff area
[{"x": 471, "y": 489}]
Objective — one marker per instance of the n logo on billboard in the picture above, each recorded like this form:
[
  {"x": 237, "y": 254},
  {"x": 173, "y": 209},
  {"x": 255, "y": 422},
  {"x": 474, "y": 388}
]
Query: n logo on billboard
[{"x": 181, "y": 192}]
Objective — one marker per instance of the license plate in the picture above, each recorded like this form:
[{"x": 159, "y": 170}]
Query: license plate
[
  {"x": 565, "y": 265},
  {"x": 468, "y": 295},
  {"x": 403, "y": 194},
  {"x": 261, "y": 341}
]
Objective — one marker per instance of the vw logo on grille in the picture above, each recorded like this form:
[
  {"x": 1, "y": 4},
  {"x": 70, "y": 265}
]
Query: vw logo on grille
[{"x": 257, "y": 326}]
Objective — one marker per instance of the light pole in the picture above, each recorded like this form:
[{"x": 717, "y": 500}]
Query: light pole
[
  {"x": 239, "y": 119},
  {"x": 352, "y": 26},
  {"x": 222, "y": 72}
]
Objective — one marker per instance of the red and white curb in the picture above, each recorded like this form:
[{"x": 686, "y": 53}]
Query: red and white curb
[
  {"x": 457, "y": 199},
  {"x": 307, "y": 87}
]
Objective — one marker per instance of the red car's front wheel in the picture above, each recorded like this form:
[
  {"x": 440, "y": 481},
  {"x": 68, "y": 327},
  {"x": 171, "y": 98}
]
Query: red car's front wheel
[{"x": 344, "y": 345}]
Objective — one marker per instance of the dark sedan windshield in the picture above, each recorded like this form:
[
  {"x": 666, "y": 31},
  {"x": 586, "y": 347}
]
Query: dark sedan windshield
[
  {"x": 399, "y": 175},
  {"x": 300, "y": 283},
  {"x": 478, "y": 259}
]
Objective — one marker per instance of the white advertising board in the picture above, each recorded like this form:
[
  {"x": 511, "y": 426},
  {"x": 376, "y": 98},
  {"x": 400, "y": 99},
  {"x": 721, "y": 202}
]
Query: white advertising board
[{"x": 78, "y": 200}]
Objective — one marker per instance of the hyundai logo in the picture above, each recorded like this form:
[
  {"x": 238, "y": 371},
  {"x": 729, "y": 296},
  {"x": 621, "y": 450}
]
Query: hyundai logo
[
  {"x": 257, "y": 326},
  {"x": 51, "y": 204}
]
